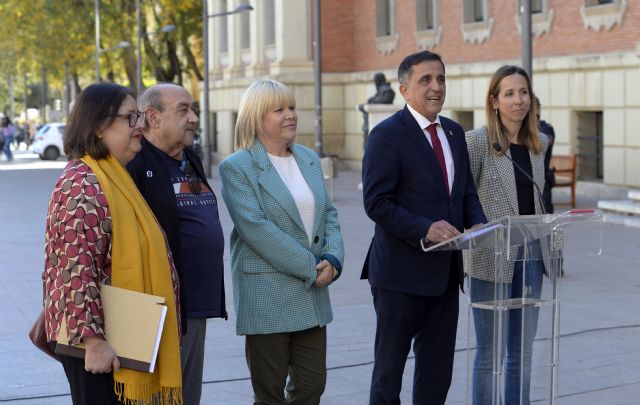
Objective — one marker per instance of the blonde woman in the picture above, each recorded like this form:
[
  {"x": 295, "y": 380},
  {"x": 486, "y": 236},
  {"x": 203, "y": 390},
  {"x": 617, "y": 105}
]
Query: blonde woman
[{"x": 286, "y": 248}]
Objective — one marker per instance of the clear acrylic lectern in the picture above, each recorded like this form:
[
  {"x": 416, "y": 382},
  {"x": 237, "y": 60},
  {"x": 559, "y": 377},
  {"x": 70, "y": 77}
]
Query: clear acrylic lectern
[{"x": 513, "y": 266}]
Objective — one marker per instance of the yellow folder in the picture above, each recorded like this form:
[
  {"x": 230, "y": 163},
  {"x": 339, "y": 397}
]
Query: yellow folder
[{"x": 133, "y": 327}]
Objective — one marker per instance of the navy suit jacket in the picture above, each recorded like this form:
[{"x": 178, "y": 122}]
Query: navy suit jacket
[{"x": 404, "y": 194}]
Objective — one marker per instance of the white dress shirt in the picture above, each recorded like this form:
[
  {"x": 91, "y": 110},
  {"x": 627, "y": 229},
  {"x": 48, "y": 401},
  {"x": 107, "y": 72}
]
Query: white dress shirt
[{"x": 446, "y": 149}]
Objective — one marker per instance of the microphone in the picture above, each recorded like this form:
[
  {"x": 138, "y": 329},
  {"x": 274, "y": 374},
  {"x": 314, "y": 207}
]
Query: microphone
[{"x": 498, "y": 148}]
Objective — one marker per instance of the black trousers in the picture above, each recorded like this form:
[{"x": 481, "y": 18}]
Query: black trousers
[
  {"x": 431, "y": 323},
  {"x": 302, "y": 355},
  {"x": 88, "y": 388}
]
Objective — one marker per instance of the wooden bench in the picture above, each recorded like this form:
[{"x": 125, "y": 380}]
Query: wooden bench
[{"x": 564, "y": 168}]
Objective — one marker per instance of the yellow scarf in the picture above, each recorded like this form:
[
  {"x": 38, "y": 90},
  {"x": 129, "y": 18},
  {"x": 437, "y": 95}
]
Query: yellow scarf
[{"x": 139, "y": 262}]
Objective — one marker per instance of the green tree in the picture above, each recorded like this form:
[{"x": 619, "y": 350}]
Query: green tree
[
  {"x": 163, "y": 58},
  {"x": 60, "y": 35}
]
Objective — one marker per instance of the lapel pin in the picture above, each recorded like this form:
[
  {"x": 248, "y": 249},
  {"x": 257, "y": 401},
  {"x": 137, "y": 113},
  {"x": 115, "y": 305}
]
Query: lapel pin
[{"x": 149, "y": 174}]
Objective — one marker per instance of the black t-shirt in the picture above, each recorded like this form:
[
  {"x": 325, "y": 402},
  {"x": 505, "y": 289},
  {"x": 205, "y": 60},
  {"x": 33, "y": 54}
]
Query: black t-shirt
[{"x": 524, "y": 187}]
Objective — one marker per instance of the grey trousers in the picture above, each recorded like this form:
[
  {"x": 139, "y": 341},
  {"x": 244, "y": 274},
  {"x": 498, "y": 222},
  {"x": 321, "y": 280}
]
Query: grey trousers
[
  {"x": 192, "y": 359},
  {"x": 302, "y": 355}
]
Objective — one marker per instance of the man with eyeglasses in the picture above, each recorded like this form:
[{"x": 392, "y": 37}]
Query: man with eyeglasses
[{"x": 171, "y": 178}]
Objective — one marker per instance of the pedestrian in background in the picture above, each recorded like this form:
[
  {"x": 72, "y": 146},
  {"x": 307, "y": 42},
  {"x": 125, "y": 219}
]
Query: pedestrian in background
[
  {"x": 8, "y": 129},
  {"x": 416, "y": 185},
  {"x": 286, "y": 248},
  {"x": 171, "y": 178},
  {"x": 18, "y": 136},
  {"x": 99, "y": 230},
  {"x": 511, "y": 131}
]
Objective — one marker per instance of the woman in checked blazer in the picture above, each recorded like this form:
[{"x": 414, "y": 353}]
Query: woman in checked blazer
[
  {"x": 286, "y": 248},
  {"x": 512, "y": 130}
]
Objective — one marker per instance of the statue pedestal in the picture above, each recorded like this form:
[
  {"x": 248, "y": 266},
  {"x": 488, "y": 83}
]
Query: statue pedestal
[
  {"x": 374, "y": 114},
  {"x": 378, "y": 112}
]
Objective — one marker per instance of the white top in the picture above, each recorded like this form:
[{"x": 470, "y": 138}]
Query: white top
[
  {"x": 292, "y": 177},
  {"x": 446, "y": 149}
]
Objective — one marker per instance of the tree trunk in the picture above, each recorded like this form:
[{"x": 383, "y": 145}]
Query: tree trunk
[
  {"x": 129, "y": 57},
  {"x": 174, "y": 63},
  {"x": 191, "y": 60},
  {"x": 154, "y": 60}
]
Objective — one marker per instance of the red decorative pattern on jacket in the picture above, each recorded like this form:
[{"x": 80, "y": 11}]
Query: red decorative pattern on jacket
[{"x": 78, "y": 255}]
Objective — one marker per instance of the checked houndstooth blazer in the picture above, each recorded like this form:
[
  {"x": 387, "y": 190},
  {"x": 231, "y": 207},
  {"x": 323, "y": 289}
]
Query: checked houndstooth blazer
[
  {"x": 272, "y": 259},
  {"x": 495, "y": 181}
]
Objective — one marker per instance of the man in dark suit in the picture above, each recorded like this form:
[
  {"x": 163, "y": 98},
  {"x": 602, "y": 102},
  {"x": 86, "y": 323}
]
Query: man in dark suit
[{"x": 416, "y": 184}]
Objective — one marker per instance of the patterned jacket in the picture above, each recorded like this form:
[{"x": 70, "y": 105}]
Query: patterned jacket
[
  {"x": 495, "y": 181},
  {"x": 78, "y": 254},
  {"x": 272, "y": 260}
]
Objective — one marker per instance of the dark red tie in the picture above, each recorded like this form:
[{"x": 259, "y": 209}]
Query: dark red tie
[{"x": 437, "y": 148}]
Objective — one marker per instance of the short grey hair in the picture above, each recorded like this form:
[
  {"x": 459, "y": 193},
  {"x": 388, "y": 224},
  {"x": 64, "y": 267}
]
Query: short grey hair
[{"x": 152, "y": 98}]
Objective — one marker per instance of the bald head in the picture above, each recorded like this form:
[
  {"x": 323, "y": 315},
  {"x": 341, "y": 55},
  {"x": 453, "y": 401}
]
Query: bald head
[
  {"x": 171, "y": 120},
  {"x": 152, "y": 97}
]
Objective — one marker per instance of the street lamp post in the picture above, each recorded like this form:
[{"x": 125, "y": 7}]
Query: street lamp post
[
  {"x": 43, "y": 97},
  {"x": 139, "y": 50},
  {"x": 12, "y": 111},
  {"x": 317, "y": 64},
  {"x": 205, "y": 47},
  {"x": 25, "y": 95},
  {"x": 525, "y": 37},
  {"x": 96, "y": 8}
]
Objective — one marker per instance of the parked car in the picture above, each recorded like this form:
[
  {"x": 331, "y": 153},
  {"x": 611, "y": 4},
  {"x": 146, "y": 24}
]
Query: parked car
[{"x": 47, "y": 142}]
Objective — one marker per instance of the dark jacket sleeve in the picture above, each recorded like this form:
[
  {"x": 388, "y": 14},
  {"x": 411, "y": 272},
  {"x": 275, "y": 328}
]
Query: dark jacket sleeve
[
  {"x": 135, "y": 168},
  {"x": 381, "y": 175}
]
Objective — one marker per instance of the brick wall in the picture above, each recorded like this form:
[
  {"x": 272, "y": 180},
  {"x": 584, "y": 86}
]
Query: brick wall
[{"x": 349, "y": 34}]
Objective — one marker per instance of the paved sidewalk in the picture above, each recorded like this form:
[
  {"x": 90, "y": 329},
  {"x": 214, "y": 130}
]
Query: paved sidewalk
[{"x": 600, "y": 314}]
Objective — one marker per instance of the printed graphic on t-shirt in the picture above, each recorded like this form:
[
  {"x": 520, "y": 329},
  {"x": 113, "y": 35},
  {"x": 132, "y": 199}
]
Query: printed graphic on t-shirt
[{"x": 191, "y": 192}]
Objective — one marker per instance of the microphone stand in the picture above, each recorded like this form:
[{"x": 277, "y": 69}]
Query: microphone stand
[{"x": 498, "y": 148}]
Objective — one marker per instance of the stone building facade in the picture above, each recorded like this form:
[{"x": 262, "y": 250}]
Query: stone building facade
[{"x": 586, "y": 64}]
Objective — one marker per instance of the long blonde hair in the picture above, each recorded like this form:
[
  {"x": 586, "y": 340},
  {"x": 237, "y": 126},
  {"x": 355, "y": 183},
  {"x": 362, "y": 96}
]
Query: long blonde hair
[
  {"x": 528, "y": 134},
  {"x": 260, "y": 97}
]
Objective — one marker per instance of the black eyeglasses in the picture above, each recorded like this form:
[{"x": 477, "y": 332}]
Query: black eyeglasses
[
  {"x": 194, "y": 180},
  {"x": 132, "y": 117}
]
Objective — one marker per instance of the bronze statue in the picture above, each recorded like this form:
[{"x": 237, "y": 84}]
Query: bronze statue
[{"x": 384, "y": 95}]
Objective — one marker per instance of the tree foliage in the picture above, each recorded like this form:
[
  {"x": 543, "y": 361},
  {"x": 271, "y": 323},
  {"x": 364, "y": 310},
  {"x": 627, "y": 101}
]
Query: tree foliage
[{"x": 60, "y": 35}]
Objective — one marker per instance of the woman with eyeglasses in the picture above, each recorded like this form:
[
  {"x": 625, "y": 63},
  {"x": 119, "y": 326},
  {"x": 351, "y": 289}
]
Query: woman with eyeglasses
[
  {"x": 286, "y": 248},
  {"x": 99, "y": 230}
]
